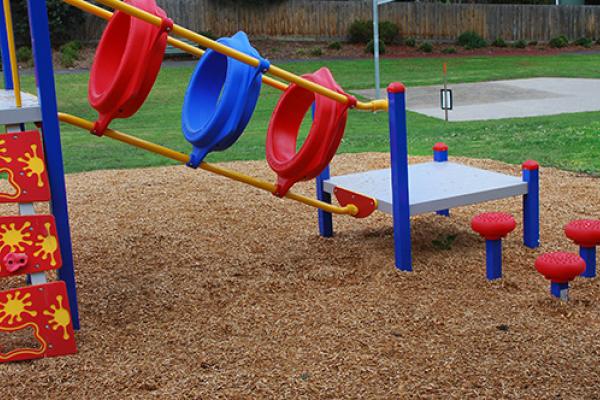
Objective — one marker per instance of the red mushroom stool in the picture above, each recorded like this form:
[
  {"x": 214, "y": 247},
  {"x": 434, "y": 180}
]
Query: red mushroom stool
[
  {"x": 560, "y": 268},
  {"x": 493, "y": 227},
  {"x": 586, "y": 234}
]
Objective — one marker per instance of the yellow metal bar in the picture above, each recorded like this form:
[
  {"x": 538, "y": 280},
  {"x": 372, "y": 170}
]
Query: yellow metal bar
[
  {"x": 12, "y": 53},
  {"x": 87, "y": 125},
  {"x": 105, "y": 14},
  {"x": 206, "y": 42}
]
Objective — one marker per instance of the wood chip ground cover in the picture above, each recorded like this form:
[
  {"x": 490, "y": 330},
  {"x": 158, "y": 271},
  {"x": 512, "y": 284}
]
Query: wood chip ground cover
[{"x": 193, "y": 286}]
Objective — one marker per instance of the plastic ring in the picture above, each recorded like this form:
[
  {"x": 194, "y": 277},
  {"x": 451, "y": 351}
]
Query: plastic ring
[
  {"x": 323, "y": 140},
  {"x": 221, "y": 98},
  {"x": 126, "y": 64}
]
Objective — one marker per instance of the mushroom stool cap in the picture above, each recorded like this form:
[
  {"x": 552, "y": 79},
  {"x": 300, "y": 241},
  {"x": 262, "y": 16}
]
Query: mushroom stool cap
[
  {"x": 493, "y": 225},
  {"x": 560, "y": 267},
  {"x": 584, "y": 232}
]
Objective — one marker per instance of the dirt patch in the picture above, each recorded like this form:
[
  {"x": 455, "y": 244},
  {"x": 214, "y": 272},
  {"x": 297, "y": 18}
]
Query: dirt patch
[{"x": 193, "y": 286}]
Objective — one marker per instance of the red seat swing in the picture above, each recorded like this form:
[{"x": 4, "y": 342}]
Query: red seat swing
[
  {"x": 323, "y": 140},
  {"x": 126, "y": 63}
]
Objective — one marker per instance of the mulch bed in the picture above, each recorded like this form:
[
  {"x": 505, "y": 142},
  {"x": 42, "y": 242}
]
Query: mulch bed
[{"x": 193, "y": 286}]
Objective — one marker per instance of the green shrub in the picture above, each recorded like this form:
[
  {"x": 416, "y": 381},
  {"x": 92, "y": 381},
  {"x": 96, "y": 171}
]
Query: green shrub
[
  {"x": 520, "y": 44},
  {"x": 471, "y": 40},
  {"x": 335, "y": 46},
  {"x": 584, "y": 42},
  {"x": 426, "y": 47},
  {"x": 449, "y": 50},
  {"x": 316, "y": 52},
  {"x": 533, "y": 43},
  {"x": 24, "y": 55},
  {"x": 559, "y": 42},
  {"x": 410, "y": 42},
  {"x": 371, "y": 47},
  {"x": 69, "y": 53},
  {"x": 499, "y": 42},
  {"x": 388, "y": 32},
  {"x": 360, "y": 31}
]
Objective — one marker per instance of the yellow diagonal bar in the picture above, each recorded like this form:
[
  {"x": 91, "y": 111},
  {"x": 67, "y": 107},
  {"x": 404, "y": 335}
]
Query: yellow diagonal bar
[
  {"x": 228, "y": 51},
  {"x": 14, "y": 67},
  {"x": 88, "y": 125}
]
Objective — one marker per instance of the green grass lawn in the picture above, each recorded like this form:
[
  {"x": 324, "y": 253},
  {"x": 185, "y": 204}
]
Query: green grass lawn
[{"x": 570, "y": 141}]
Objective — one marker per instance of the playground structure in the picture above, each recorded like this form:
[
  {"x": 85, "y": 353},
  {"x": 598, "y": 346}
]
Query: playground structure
[{"x": 218, "y": 104}]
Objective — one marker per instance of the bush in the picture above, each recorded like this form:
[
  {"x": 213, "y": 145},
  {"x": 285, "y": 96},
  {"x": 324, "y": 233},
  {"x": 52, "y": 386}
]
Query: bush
[
  {"x": 520, "y": 44},
  {"x": 24, "y": 55},
  {"x": 559, "y": 42},
  {"x": 360, "y": 31},
  {"x": 69, "y": 53},
  {"x": 449, "y": 50},
  {"x": 371, "y": 47},
  {"x": 316, "y": 52},
  {"x": 533, "y": 43},
  {"x": 61, "y": 17},
  {"x": 388, "y": 32},
  {"x": 426, "y": 47},
  {"x": 335, "y": 46},
  {"x": 499, "y": 42},
  {"x": 410, "y": 42},
  {"x": 584, "y": 42},
  {"x": 471, "y": 40}
]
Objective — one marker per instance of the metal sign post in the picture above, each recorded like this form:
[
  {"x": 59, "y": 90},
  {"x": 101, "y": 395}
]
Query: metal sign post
[
  {"x": 376, "y": 4},
  {"x": 446, "y": 95}
]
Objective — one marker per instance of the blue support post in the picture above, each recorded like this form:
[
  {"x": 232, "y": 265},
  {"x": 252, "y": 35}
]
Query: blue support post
[
  {"x": 6, "y": 67},
  {"x": 325, "y": 218},
  {"x": 589, "y": 256},
  {"x": 531, "y": 205},
  {"x": 440, "y": 154},
  {"x": 42, "y": 52},
  {"x": 493, "y": 258},
  {"x": 560, "y": 290},
  {"x": 399, "y": 163}
]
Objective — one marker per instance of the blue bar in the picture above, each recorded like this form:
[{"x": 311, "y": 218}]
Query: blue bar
[
  {"x": 42, "y": 52},
  {"x": 325, "y": 218},
  {"x": 493, "y": 259},
  {"x": 589, "y": 256},
  {"x": 441, "y": 156},
  {"x": 399, "y": 163},
  {"x": 556, "y": 288},
  {"x": 6, "y": 67},
  {"x": 531, "y": 209}
]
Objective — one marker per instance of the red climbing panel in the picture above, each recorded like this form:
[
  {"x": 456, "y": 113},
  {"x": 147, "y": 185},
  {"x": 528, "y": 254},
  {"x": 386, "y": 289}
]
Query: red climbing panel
[
  {"x": 44, "y": 310},
  {"x": 22, "y": 163},
  {"x": 28, "y": 244}
]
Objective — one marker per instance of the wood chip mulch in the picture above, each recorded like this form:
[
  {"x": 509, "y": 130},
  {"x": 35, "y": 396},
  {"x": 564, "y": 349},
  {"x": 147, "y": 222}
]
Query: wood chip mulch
[{"x": 195, "y": 287}]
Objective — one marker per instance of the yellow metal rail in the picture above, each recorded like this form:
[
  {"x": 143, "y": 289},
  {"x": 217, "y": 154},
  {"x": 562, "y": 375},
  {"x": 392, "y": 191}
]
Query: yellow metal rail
[
  {"x": 14, "y": 67},
  {"x": 88, "y": 125},
  {"x": 376, "y": 105}
]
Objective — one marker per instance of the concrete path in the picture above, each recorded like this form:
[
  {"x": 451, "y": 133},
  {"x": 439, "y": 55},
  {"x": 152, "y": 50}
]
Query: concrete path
[{"x": 506, "y": 99}]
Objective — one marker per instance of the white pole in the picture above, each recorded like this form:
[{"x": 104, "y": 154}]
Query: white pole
[{"x": 376, "y": 48}]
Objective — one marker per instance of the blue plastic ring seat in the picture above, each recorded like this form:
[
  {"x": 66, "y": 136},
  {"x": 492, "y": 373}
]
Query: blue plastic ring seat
[{"x": 221, "y": 98}]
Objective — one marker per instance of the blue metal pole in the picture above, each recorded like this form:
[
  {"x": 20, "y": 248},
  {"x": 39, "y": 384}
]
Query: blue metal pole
[
  {"x": 493, "y": 258},
  {"x": 325, "y": 218},
  {"x": 531, "y": 205},
  {"x": 42, "y": 52},
  {"x": 556, "y": 289},
  {"x": 6, "y": 67},
  {"x": 399, "y": 162},
  {"x": 440, "y": 154},
  {"x": 589, "y": 256}
]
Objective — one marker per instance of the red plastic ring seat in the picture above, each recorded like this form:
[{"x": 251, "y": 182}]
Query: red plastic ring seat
[
  {"x": 560, "y": 267},
  {"x": 584, "y": 232},
  {"x": 126, "y": 64},
  {"x": 324, "y": 137},
  {"x": 493, "y": 225}
]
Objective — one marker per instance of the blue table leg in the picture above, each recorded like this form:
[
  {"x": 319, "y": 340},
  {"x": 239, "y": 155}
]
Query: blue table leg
[
  {"x": 440, "y": 154},
  {"x": 531, "y": 205}
]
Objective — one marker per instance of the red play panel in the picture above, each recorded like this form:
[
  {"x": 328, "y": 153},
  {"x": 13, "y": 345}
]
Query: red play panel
[
  {"x": 28, "y": 244},
  {"x": 22, "y": 163},
  {"x": 44, "y": 309}
]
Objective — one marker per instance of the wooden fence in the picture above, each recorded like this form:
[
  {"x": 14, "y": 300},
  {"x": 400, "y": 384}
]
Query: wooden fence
[{"x": 328, "y": 20}]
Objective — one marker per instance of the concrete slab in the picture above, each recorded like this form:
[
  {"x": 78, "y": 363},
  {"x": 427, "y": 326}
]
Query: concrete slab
[{"x": 506, "y": 99}]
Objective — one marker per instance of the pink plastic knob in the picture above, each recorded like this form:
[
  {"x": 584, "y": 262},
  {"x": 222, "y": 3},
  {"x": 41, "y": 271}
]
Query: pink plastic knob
[{"x": 14, "y": 261}]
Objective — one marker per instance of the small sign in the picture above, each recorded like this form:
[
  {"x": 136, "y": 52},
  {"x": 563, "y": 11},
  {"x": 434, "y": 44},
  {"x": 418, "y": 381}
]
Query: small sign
[{"x": 446, "y": 99}]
